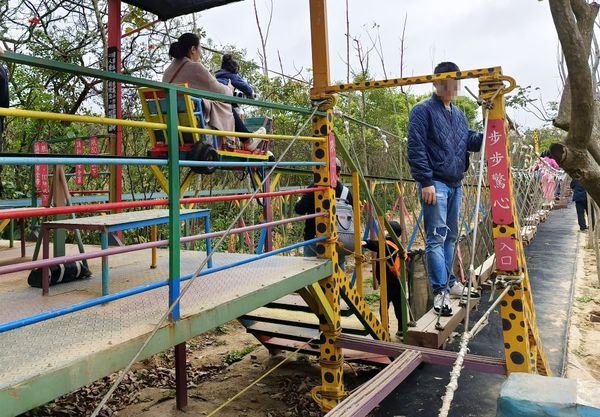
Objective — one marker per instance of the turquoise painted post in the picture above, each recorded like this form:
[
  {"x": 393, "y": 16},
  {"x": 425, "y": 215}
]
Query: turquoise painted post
[
  {"x": 207, "y": 228},
  {"x": 173, "y": 176}
]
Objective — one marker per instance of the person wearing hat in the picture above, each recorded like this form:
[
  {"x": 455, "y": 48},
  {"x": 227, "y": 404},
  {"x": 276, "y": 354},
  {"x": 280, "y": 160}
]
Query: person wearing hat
[
  {"x": 306, "y": 205},
  {"x": 439, "y": 142},
  {"x": 392, "y": 271}
]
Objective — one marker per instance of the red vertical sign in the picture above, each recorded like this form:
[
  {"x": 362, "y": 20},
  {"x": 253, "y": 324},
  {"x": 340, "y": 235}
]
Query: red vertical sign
[
  {"x": 93, "y": 141},
  {"x": 37, "y": 146},
  {"x": 332, "y": 164},
  {"x": 41, "y": 173},
  {"x": 79, "y": 168},
  {"x": 500, "y": 194}
]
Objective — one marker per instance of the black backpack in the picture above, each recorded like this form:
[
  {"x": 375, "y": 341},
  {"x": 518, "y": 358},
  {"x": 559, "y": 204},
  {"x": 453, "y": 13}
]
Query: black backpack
[{"x": 60, "y": 274}]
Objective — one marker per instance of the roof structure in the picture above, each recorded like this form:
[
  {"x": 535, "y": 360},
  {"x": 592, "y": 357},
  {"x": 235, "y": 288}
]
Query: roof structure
[{"x": 167, "y": 9}]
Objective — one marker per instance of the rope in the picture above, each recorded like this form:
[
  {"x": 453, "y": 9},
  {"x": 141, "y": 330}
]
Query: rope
[
  {"x": 263, "y": 376},
  {"x": 466, "y": 338},
  {"x": 476, "y": 227},
  {"x": 197, "y": 272}
]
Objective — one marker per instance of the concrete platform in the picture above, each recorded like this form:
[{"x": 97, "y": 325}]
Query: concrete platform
[
  {"x": 524, "y": 395},
  {"x": 45, "y": 360}
]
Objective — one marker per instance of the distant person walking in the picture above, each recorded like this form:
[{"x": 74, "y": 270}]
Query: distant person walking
[{"x": 581, "y": 205}]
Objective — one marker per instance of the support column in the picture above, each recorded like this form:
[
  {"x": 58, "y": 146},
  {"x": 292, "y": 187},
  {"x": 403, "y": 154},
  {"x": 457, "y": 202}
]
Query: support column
[
  {"x": 522, "y": 344},
  {"x": 331, "y": 358},
  {"x": 115, "y": 97},
  {"x": 175, "y": 246},
  {"x": 267, "y": 213}
]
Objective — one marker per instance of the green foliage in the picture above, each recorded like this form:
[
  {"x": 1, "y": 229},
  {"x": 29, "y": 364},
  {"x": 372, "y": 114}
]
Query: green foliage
[
  {"x": 584, "y": 299},
  {"x": 237, "y": 355},
  {"x": 372, "y": 298}
]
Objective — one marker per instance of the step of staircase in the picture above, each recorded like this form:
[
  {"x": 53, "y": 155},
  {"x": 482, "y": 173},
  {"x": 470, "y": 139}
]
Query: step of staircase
[
  {"x": 350, "y": 325},
  {"x": 295, "y": 302},
  {"x": 301, "y": 334},
  {"x": 294, "y": 338}
]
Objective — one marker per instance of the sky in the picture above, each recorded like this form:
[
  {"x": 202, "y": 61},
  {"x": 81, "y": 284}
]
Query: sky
[{"x": 517, "y": 35}]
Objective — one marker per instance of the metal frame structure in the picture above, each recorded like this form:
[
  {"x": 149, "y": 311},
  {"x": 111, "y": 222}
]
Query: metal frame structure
[
  {"x": 25, "y": 397},
  {"x": 522, "y": 347}
]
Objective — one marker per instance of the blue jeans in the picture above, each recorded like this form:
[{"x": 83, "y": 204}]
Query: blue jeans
[
  {"x": 310, "y": 251},
  {"x": 441, "y": 229}
]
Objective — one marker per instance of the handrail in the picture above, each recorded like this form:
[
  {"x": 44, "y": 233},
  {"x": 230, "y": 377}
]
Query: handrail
[
  {"x": 128, "y": 79},
  {"x": 118, "y": 250},
  {"x": 33, "y": 114},
  {"x": 93, "y": 208},
  {"x": 138, "y": 290},
  {"x": 87, "y": 160}
]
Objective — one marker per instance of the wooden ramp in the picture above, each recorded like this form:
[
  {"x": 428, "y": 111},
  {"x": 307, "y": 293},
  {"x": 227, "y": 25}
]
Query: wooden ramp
[{"x": 42, "y": 361}]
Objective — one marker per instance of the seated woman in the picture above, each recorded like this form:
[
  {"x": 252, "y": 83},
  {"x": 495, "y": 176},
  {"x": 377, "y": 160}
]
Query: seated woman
[
  {"x": 186, "y": 68},
  {"x": 229, "y": 73}
]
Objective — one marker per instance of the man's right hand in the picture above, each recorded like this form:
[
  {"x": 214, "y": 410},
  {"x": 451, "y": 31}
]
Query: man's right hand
[{"x": 428, "y": 194}]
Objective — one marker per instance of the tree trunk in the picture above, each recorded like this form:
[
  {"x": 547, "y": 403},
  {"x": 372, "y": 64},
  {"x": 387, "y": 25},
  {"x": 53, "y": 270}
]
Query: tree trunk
[{"x": 579, "y": 153}]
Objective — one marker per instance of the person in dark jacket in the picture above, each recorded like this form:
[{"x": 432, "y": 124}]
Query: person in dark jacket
[
  {"x": 229, "y": 73},
  {"x": 581, "y": 205},
  {"x": 439, "y": 142},
  {"x": 392, "y": 271},
  {"x": 306, "y": 205}
]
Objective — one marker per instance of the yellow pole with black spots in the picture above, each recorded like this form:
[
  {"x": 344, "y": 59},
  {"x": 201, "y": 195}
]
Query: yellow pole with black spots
[
  {"x": 523, "y": 348},
  {"x": 358, "y": 266},
  {"x": 331, "y": 391}
]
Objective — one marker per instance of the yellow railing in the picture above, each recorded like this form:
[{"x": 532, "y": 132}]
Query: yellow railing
[{"x": 31, "y": 114}]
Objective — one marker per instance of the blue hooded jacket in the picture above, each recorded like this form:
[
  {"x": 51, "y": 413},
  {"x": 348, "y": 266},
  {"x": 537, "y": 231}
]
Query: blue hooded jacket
[
  {"x": 224, "y": 76},
  {"x": 579, "y": 193},
  {"x": 439, "y": 142}
]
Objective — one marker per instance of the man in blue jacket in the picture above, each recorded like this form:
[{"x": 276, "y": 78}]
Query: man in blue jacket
[{"x": 439, "y": 142}]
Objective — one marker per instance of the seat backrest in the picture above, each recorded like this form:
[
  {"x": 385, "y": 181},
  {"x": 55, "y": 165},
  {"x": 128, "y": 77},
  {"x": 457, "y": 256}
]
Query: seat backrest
[
  {"x": 189, "y": 113},
  {"x": 253, "y": 123}
]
